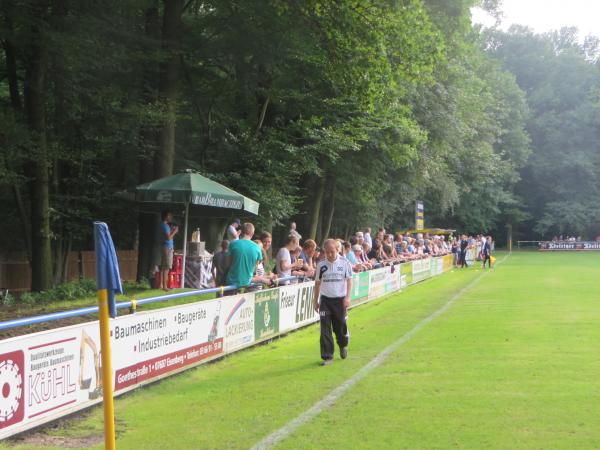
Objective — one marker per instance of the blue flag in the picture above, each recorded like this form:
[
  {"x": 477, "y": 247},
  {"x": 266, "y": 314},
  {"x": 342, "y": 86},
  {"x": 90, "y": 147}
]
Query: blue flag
[{"x": 107, "y": 266}]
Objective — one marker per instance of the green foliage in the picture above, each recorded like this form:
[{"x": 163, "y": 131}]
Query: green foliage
[
  {"x": 560, "y": 183},
  {"x": 387, "y": 101},
  {"x": 72, "y": 290}
]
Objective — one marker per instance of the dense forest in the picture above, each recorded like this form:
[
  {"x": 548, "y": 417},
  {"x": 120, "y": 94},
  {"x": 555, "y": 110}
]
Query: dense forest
[{"x": 335, "y": 114}]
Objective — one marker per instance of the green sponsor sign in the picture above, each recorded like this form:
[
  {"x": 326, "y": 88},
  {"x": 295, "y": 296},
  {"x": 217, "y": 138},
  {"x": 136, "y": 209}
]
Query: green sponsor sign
[
  {"x": 360, "y": 286},
  {"x": 406, "y": 270},
  {"x": 266, "y": 313}
]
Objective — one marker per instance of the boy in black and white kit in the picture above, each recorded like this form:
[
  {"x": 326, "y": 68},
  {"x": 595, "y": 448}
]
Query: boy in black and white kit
[{"x": 333, "y": 284}]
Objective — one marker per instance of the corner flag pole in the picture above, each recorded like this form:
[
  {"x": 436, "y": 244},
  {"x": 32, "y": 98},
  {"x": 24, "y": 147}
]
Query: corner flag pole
[{"x": 108, "y": 282}]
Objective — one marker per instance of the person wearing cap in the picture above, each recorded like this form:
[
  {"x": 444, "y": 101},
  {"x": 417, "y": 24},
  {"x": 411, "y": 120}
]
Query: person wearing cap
[
  {"x": 233, "y": 231},
  {"x": 333, "y": 285}
]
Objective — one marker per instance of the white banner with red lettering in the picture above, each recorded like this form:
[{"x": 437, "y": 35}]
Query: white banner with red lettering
[{"x": 49, "y": 374}]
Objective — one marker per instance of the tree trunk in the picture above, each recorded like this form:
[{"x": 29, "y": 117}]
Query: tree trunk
[
  {"x": 315, "y": 214},
  {"x": 327, "y": 229},
  {"x": 35, "y": 80},
  {"x": 213, "y": 230},
  {"x": 11, "y": 71},
  {"x": 15, "y": 101},
  {"x": 320, "y": 225},
  {"x": 164, "y": 154},
  {"x": 148, "y": 222},
  {"x": 167, "y": 87},
  {"x": 62, "y": 248},
  {"x": 261, "y": 117},
  {"x": 24, "y": 220},
  {"x": 57, "y": 78}
]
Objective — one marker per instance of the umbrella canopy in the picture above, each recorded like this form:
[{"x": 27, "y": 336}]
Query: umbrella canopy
[{"x": 193, "y": 189}]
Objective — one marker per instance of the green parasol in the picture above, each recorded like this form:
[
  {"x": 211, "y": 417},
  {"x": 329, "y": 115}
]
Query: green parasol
[
  {"x": 200, "y": 193},
  {"x": 194, "y": 189}
]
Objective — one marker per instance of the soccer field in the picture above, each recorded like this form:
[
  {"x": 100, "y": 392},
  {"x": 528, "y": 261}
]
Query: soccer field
[{"x": 507, "y": 359}]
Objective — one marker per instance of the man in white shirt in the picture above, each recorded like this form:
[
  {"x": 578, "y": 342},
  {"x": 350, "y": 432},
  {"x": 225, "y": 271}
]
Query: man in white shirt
[
  {"x": 333, "y": 284},
  {"x": 283, "y": 259}
]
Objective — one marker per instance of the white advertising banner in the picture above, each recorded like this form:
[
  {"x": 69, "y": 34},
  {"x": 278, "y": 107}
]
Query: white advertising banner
[
  {"x": 421, "y": 269},
  {"x": 47, "y": 375},
  {"x": 393, "y": 279},
  {"x": 238, "y": 313},
  {"x": 440, "y": 266},
  {"x": 295, "y": 306},
  {"x": 50, "y": 374},
  {"x": 150, "y": 344},
  {"x": 377, "y": 281}
]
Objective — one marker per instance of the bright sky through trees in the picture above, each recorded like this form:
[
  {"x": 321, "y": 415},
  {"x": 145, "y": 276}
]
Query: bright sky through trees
[{"x": 546, "y": 15}]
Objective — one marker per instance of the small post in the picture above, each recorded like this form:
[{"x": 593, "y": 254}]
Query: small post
[
  {"x": 108, "y": 281},
  {"x": 107, "y": 382}
]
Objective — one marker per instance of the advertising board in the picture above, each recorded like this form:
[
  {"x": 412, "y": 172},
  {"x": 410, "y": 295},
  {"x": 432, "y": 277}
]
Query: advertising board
[
  {"x": 569, "y": 246},
  {"x": 406, "y": 270},
  {"x": 447, "y": 261},
  {"x": 266, "y": 313},
  {"x": 360, "y": 287},
  {"x": 238, "y": 315},
  {"x": 392, "y": 279},
  {"x": 377, "y": 278},
  {"x": 49, "y": 374},
  {"x": 295, "y": 306},
  {"x": 421, "y": 269}
]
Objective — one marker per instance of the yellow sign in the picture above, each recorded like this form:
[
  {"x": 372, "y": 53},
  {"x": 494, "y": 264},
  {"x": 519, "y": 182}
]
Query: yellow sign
[{"x": 419, "y": 215}]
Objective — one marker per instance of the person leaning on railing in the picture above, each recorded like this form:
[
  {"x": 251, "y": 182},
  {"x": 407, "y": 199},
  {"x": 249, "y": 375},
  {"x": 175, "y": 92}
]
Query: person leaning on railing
[
  {"x": 242, "y": 256},
  {"x": 261, "y": 276},
  {"x": 267, "y": 240},
  {"x": 349, "y": 255},
  {"x": 309, "y": 248},
  {"x": 363, "y": 263},
  {"x": 283, "y": 260},
  {"x": 296, "y": 260}
]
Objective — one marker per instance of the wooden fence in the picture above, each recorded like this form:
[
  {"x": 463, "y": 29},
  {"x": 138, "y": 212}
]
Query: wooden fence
[{"x": 16, "y": 275}]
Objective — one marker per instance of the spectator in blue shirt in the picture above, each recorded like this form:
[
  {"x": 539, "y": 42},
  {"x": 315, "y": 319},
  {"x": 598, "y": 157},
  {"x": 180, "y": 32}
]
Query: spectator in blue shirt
[{"x": 167, "y": 231}]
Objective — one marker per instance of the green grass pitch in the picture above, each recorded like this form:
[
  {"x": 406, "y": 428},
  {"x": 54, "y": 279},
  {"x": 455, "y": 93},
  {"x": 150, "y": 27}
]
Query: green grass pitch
[{"x": 513, "y": 364}]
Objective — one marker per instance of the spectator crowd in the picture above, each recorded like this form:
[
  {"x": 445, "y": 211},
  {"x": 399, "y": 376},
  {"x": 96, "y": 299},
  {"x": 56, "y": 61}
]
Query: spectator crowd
[{"x": 244, "y": 260}]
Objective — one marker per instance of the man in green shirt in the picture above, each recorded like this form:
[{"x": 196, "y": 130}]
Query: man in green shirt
[{"x": 242, "y": 256}]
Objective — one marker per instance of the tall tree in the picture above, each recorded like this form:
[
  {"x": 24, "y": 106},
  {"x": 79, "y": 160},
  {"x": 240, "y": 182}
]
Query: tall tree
[{"x": 39, "y": 164}]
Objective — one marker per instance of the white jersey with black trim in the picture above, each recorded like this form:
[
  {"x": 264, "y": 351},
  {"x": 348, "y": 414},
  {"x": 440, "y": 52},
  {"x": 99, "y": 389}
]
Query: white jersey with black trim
[{"x": 333, "y": 276}]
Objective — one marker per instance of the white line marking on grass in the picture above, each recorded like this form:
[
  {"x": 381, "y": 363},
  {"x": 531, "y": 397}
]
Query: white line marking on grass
[{"x": 330, "y": 399}]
